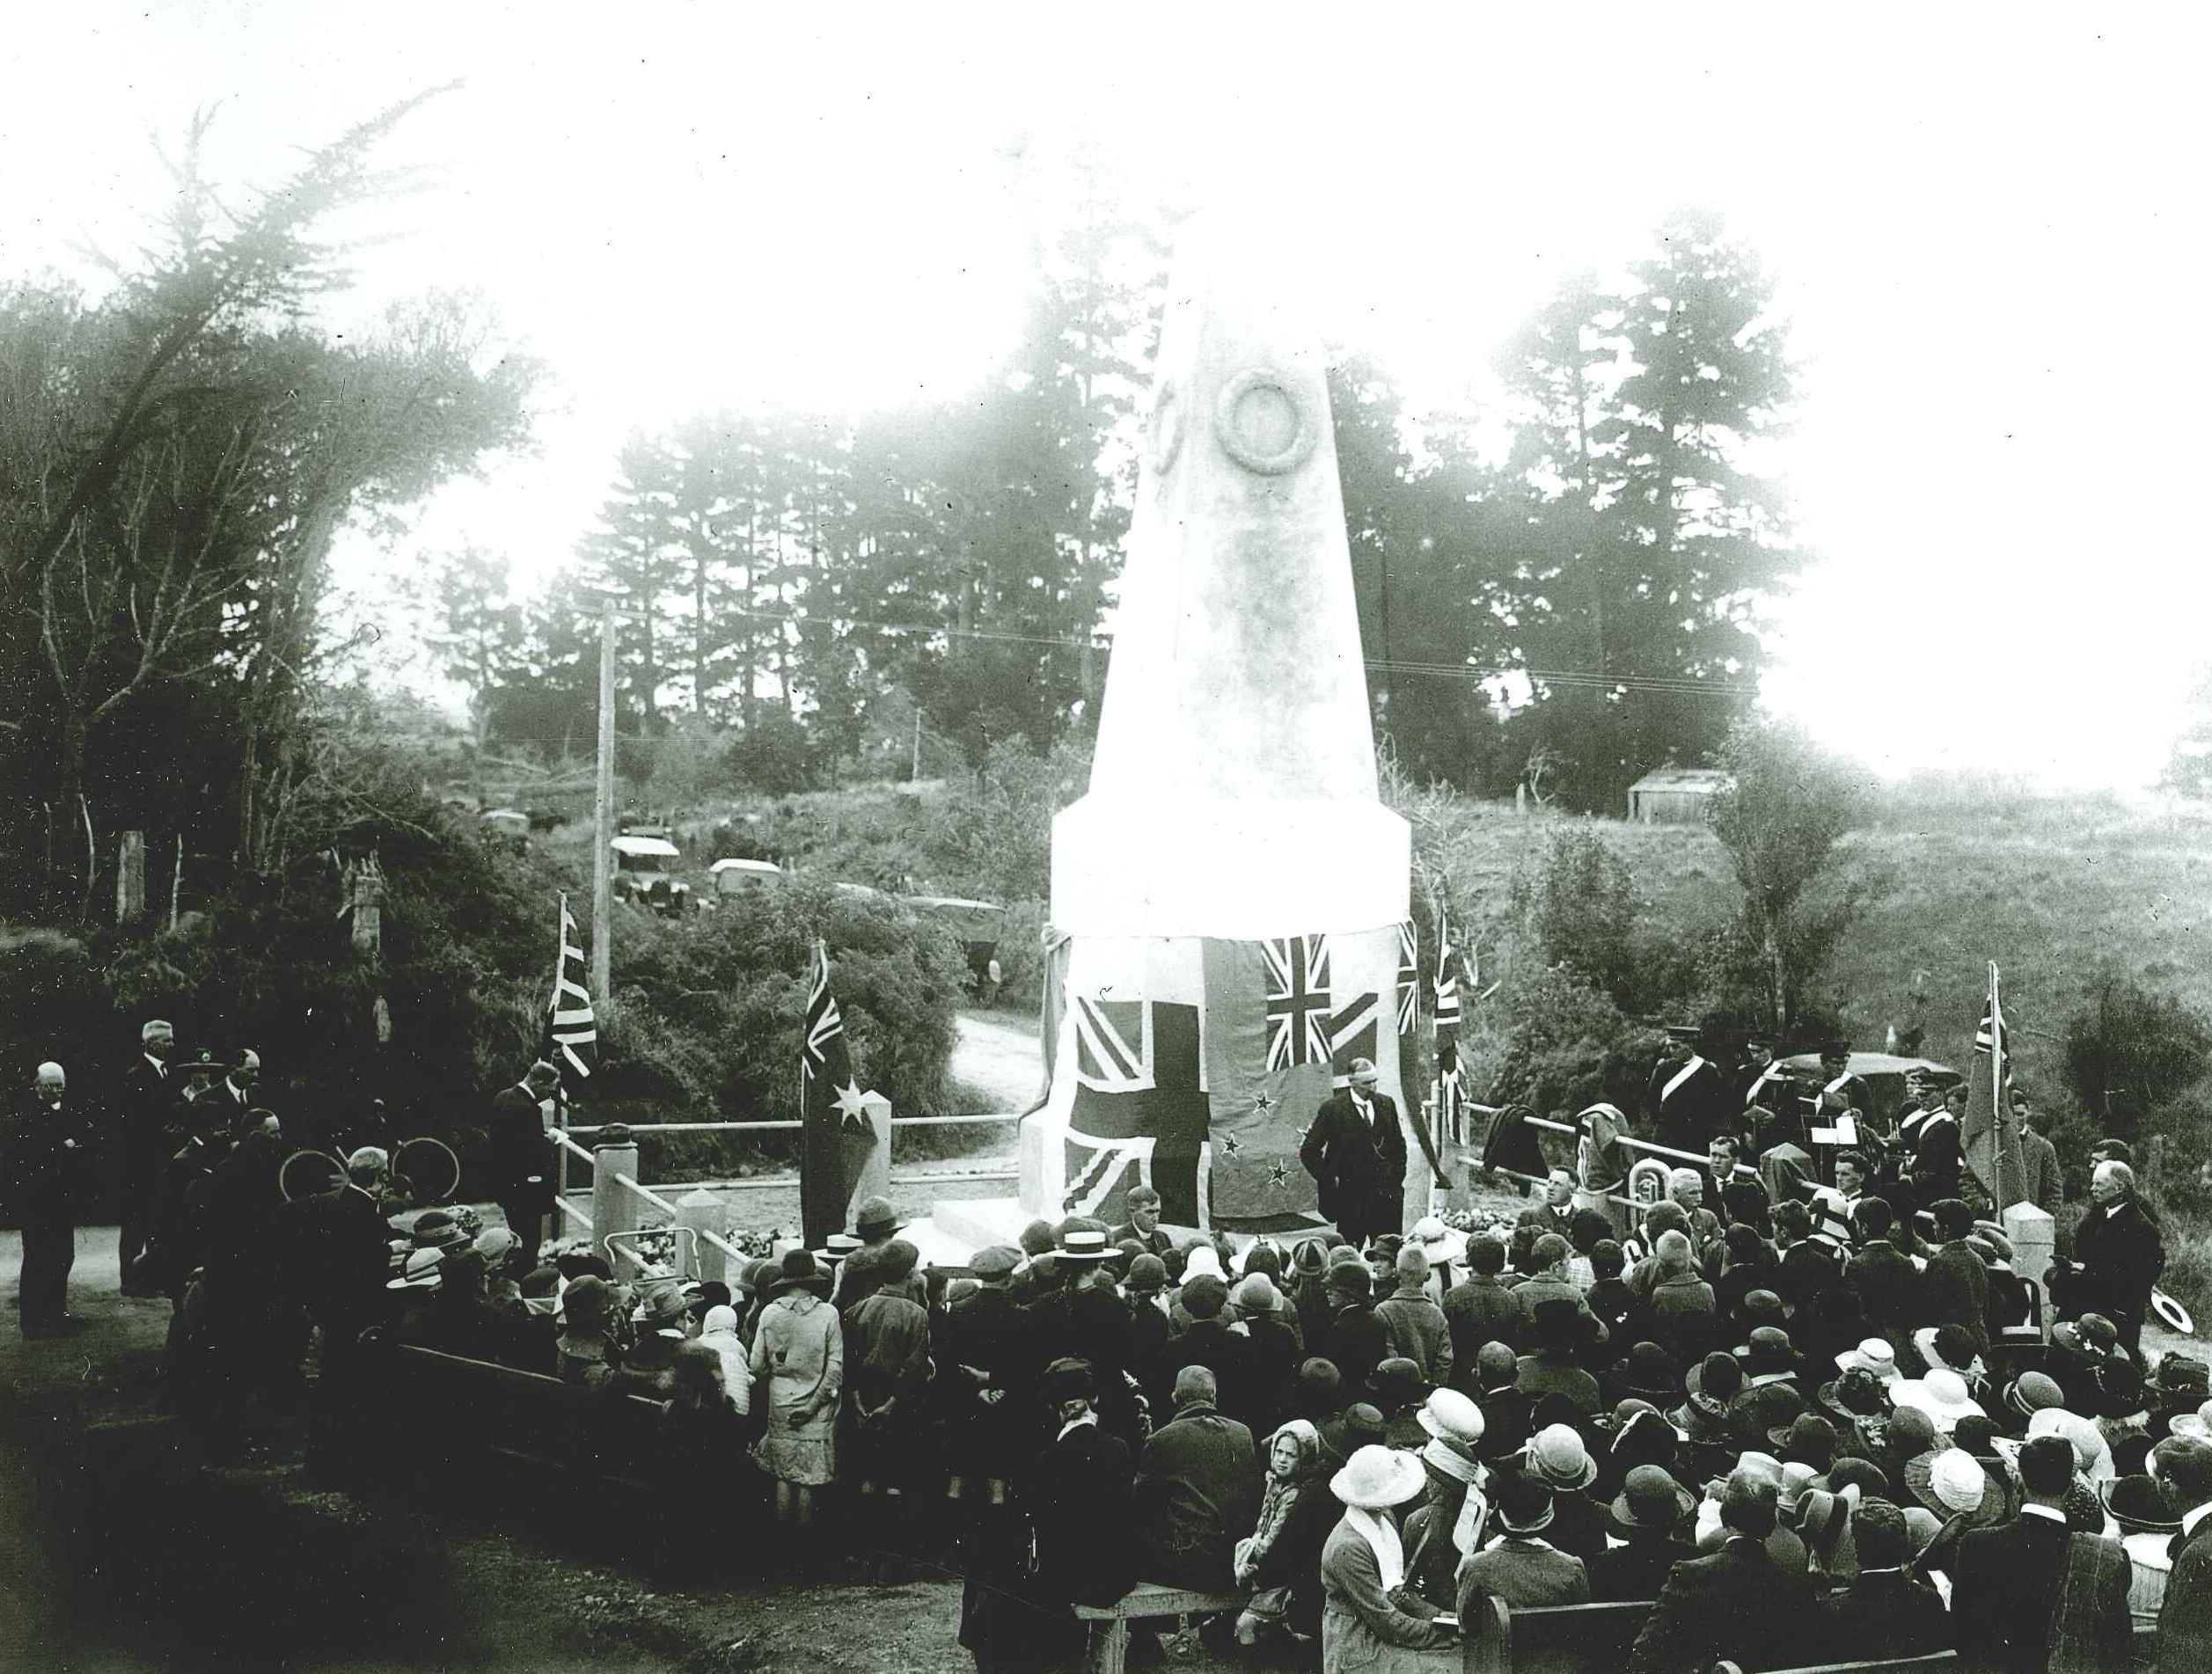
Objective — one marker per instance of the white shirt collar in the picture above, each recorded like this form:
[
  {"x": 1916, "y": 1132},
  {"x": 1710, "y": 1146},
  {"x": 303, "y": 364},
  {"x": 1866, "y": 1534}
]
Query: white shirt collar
[
  {"x": 160, "y": 1069},
  {"x": 2050, "y": 1511},
  {"x": 2113, "y": 1209},
  {"x": 1075, "y": 1424},
  {"x": 2190, "y": 1519}
]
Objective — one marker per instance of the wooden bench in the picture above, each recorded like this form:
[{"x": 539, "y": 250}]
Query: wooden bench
[
  {"x": 1563, "y": 1639},
  {"x": 1933, "y": 1663},
  {"x": 1109, "y": 1651},
  {"x": 453, "y": 1410}
]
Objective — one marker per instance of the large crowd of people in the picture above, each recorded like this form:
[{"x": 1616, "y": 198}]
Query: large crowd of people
[{"x": 1800, "y": 1429}]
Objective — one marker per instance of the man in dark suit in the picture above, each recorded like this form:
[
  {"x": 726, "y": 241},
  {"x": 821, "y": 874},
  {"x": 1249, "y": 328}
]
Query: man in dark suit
[
  {"x": 522, "y": 1156},
  {"x": 2008, "y": 1581},
  {"x": 1355, "y": 1150},
  {"x": 2182, "y": 1467},
  {"x": 1197, "y": 1491},
  {"x": 1143, "y": 1224},
  {"x": 147, "y": 1105},
  {"x": 2121, "y": 1253},
  {"x": 40, "y": 1156},
  {"x": 1938, "y": 1162},
  {"x": 1887, "y": 1283},
  {"x": 342, "y": 1244},
  {"x": 1737, "y": 1603}
]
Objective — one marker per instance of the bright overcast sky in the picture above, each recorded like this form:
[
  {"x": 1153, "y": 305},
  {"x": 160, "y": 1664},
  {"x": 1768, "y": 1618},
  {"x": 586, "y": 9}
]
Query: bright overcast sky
[{"x": 1987, "y": 226}]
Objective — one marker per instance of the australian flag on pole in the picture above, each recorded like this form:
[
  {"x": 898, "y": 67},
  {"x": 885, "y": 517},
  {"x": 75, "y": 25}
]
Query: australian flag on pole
[
  {"x": 836, "y": 1135},
  {"x": 571, "y": 1042}
]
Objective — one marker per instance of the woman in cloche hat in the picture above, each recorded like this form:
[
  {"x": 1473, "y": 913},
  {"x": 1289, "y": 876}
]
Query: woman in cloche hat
[
  {"x": 798, "y": 1358},
  {"x": 1366, "y": 1621}
]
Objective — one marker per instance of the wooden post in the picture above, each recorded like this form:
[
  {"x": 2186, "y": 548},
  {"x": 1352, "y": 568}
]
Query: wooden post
[
  {"x": 602, "y": 814},
  {"x": 130, "y": 877}
]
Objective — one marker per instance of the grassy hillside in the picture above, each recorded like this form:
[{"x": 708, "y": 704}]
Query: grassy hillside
[{"x": 2053, "y": 890}]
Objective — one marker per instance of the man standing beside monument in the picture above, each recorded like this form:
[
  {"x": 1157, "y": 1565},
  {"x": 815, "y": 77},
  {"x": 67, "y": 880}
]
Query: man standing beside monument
[{"x": 1355, "y": 1150}]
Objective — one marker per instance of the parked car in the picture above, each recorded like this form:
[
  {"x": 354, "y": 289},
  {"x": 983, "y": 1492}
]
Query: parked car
[
  {"x": 641, "y": 874},
  {"x": 742, "y": 877}
]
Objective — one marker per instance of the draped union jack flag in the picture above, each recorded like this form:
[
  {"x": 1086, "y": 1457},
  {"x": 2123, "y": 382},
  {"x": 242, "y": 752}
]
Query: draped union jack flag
[
  {"x": 1296, "y": 1000},
  {"x": 1447, "y": 974},
  {"x": 1408, "y": 979}
]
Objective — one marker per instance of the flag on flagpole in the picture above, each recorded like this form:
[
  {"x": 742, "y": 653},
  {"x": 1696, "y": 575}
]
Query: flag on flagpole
[
  {"x": 1988, "y": 1136},
  {"x": 571, "y": 1042},
  {"x": 836, "y": 1135},
  {"x": 1448, "y": 1074}
]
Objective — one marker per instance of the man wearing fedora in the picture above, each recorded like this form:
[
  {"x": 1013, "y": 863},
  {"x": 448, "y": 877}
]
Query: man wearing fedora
[
  {"x": 2182, "y": 1467},
  {"x": 1736, "y": 1602},
  {"x": 2030, "y": 1594},
  {"x": 1652, "y": 1513},
  {"x": 1355, "y": 1150}
]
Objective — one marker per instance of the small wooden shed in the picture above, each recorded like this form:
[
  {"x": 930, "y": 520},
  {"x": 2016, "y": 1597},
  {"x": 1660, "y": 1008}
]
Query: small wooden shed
[{"x": 1673, "y": 795}]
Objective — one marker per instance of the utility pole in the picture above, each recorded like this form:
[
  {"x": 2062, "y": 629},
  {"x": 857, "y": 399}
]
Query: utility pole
[
  {"x": 915, "y": 774},
  {"x": 603, "y": 811}
]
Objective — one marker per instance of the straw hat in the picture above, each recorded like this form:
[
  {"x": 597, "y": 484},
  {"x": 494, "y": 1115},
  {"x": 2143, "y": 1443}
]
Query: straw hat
[
  {"x": 837, "y": 1247},
  {"x": 1438, "y": 1241},
  {"x": 1377, "y": 1477},
  {"x": 1875, "y": 1355},
  {"x": 423, "y": 1270},
  {"x": 1083, "y": 1240}
]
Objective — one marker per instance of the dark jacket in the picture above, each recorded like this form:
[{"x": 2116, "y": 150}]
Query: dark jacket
[
  {"x": 148, "y": 1106},
  {"x": 1197, "y": 1494},
  {"x": 1955, "y": 1291},
  {"x": 1354, "y": 1340},
  {"x": 2185, "y": 1620},
  {"x": 2005, "y": 1588},
  {"x": 1887, "y": 1612},
  {"x": 1479, "y": 1310},
  {"x": 1939, "y": 1164},
  {"x": 1807, "y": 1269},
  {"x": 1888, "y": 1286},
  {"x": 1078, "y": 1495},
  {"x": 2121, "y": 1258},
  {"x": 515, "y": 1130},
  {"x": 1271, "y": 1367},
  {"x": 1620, "y": 1575},
  {"x": 1227, "y": 1355},
  {"x": 1525, "y": 1575},
  {"x": 1738, "y": 1604},
  {"x": 41, "y": 1176},
  {"x": 1356, "y": 1165}
]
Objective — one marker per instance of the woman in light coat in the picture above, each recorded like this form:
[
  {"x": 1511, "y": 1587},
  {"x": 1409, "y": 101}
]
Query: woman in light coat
[
  {"x": 1368, "y": 1623},
  {"x": 798, "y": 1360}
]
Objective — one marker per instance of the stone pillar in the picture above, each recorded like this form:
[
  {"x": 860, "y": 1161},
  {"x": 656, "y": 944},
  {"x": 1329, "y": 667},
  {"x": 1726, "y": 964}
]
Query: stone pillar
[
  {"x": 703, "y": 1212},
  {"x": 130, "y": 878},
  {"x": 614, "y": 1209},
  {"x": 875, "y": 1174},
  {"x": 1039, "y": 1192},
  {"x": 2034, "y": 1245}
]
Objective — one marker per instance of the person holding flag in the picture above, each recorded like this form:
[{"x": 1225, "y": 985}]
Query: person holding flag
[{"x": 835, "y": 1133}]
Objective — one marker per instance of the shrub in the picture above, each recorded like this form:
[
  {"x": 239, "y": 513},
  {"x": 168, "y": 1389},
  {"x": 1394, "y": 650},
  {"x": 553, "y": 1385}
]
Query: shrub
[
  {"x": 1578, "y": 911},
  {"x": 2130, "y": 1051},
  {"x": 1555, "y": 1042}
]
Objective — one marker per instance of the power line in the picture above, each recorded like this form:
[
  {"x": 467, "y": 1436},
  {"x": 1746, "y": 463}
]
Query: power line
[{"x": 1577, "y": 679}]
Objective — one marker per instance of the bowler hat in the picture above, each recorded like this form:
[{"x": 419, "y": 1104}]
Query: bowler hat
[
  {"x": 1650, "y": 1499},
  {"x": 1649, "y": 1369},
  {"x": 1555, "y": 1454},
  {"x": 1396, "y": 1383}
]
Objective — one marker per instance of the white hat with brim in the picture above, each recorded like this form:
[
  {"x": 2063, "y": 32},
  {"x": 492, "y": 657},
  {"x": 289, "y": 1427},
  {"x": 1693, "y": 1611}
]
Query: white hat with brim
[
  {"x": 1875, "y": 1355},
  {"x": 421, "y": 1272},
  {"x": 1438, "y": 1241},
  {"x": 1376, "y": 1477},
  {"x": 1941, "y": 1394}
]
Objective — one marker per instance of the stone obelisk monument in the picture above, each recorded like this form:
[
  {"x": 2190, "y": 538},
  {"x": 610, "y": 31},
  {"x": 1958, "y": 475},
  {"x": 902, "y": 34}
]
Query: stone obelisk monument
[{"x": 1232, "y": 892}]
